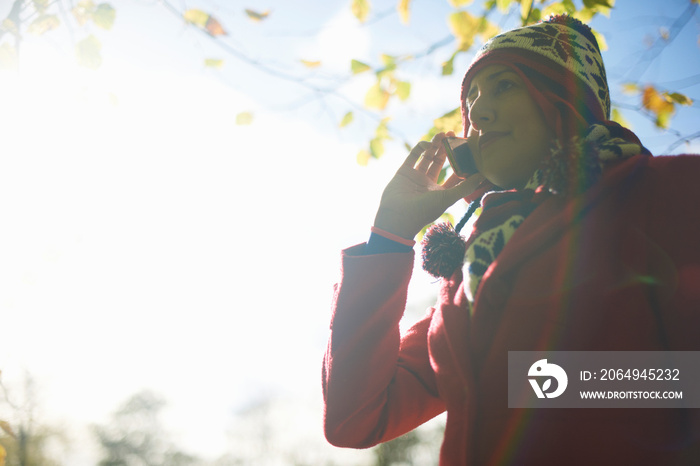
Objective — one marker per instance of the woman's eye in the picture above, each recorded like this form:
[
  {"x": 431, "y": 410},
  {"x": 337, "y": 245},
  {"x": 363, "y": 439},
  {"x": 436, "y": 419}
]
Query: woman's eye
[{"x": 504, "y": 85}]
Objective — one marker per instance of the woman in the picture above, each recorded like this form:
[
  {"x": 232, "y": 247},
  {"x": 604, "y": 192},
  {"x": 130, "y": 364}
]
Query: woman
[{"x": 585, "y": 243}]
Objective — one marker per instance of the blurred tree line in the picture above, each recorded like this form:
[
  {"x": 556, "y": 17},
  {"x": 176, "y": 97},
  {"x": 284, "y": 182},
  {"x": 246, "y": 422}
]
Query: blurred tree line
[{"x": 136, "y": 435}]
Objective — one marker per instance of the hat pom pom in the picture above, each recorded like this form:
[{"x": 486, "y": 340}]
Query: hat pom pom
[{"x": 443, "y": 250}]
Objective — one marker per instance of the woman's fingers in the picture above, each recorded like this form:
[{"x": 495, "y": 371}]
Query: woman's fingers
[
  {"x": 438, "y": 161},
  {"x": 433, "y": 158},
  {"x": 415, "y": 154}
]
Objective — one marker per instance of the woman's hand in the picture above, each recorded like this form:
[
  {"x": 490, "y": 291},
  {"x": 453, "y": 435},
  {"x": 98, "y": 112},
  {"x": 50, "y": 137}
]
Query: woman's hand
[{"x": 413, "y": 199}]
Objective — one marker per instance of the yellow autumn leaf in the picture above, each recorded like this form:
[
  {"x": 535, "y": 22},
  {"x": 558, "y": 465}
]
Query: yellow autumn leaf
[
  {"x": 360, "y": 8},
  {"x": 619, "y": 118},
  {"x": 257, "y": 16},
  {"x": 460, "y": 3},
  {"x": 81, "y": 12},
  {"x": 376, "y": 97},
  {"x": 213, "y": 63},
  {"x": 244, "y": 118},
  {"x": 403, "y": 90},
  {"x": 404, "y": 11},
  {"x": 659, "y": 105},
  {"x": 363, "y": 157},
  {"x": 630, "y": 88},
  {"x": 196, "y": 17},
  {"x": 600, "y": 38},
  {"x": 311, "y": 63},
  {"x": 3, "y": 454},
  {"x": 214, "y": 27},
  {"x": 43, "y": 24},
  {"x": 8, "y": 57}
]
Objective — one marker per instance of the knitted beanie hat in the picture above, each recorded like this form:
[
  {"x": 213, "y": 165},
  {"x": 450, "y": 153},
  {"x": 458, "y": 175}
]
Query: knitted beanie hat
[{"x": 560, "y": 61}]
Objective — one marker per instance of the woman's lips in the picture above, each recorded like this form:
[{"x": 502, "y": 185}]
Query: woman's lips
[{"x": 487, "y": 138}]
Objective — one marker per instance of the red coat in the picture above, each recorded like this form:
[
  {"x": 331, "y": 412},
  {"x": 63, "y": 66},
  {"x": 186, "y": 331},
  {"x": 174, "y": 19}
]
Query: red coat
[{"x": 615, "y": 269}]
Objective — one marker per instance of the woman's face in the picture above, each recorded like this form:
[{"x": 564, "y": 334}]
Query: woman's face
[{"x": 511, "y": 134}]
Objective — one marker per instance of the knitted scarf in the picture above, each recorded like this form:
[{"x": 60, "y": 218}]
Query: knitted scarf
[{"x": 569, "y": 170}]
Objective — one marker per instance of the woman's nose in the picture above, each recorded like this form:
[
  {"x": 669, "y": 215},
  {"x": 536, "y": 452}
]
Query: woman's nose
[{"x": 481, "y": 112}]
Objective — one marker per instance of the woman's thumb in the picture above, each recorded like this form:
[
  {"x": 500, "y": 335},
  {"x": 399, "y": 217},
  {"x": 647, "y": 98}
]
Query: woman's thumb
[{"x": 464, "y": 188}]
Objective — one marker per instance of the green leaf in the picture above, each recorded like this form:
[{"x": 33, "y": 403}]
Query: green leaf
[
  {"x": 43, "y": 24},
  {"x": 376, "y": 147},
  {"x": 360, "y": 8},
  {"x": 376, "y": 97},
  {"x": 679, "y": 98},
  {"x": 403, "y": 89},
  {"x": 448, "y": 67},
  {"x": 569, "y": 5},
  {"x": 599, "y": 5},
  {"x": 555, "y": 9},
  {"x": 244, "y": 118},
  {"x": 88, "y": 52},
  {"x": 584, "y": 15},
  {"x": 347, "y": 119},
  {"x": 104, "y": 15},
  {"x": 404, "y": 11},
  {"x": 464, "y": 27},
  {"x": 503, "y": 5},
  {"x": 487, "y": 29},
  {"x": 358, "y": 67},
  {"x": 388, "y": 60},
  {"x": 382, "y": 131},
  {"x": 450, "y": 121}
]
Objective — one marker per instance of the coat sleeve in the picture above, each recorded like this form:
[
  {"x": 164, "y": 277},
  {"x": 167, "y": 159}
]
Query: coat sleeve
[
  {"x": 376, "y": 385},
  {"x": 675, "y": 259}
]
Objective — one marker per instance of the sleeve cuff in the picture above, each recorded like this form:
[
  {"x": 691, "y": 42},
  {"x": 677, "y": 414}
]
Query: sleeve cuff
[{"x": 381, "y": 242}]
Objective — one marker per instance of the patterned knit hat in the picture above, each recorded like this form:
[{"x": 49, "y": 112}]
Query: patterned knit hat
[{"x": 560, "y": 60}]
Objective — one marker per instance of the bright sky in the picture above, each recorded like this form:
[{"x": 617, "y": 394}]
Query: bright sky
[{"x": 150, "y": 242}]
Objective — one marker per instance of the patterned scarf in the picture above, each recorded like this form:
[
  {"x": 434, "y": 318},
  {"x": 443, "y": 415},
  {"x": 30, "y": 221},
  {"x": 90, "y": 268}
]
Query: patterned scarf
[
  {"x": 504, "y": 211},
  {"x": 568, "y": 170}
]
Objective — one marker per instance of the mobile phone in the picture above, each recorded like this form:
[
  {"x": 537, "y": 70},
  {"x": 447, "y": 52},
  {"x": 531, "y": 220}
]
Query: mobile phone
[{"x": 460, "y": 156}]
